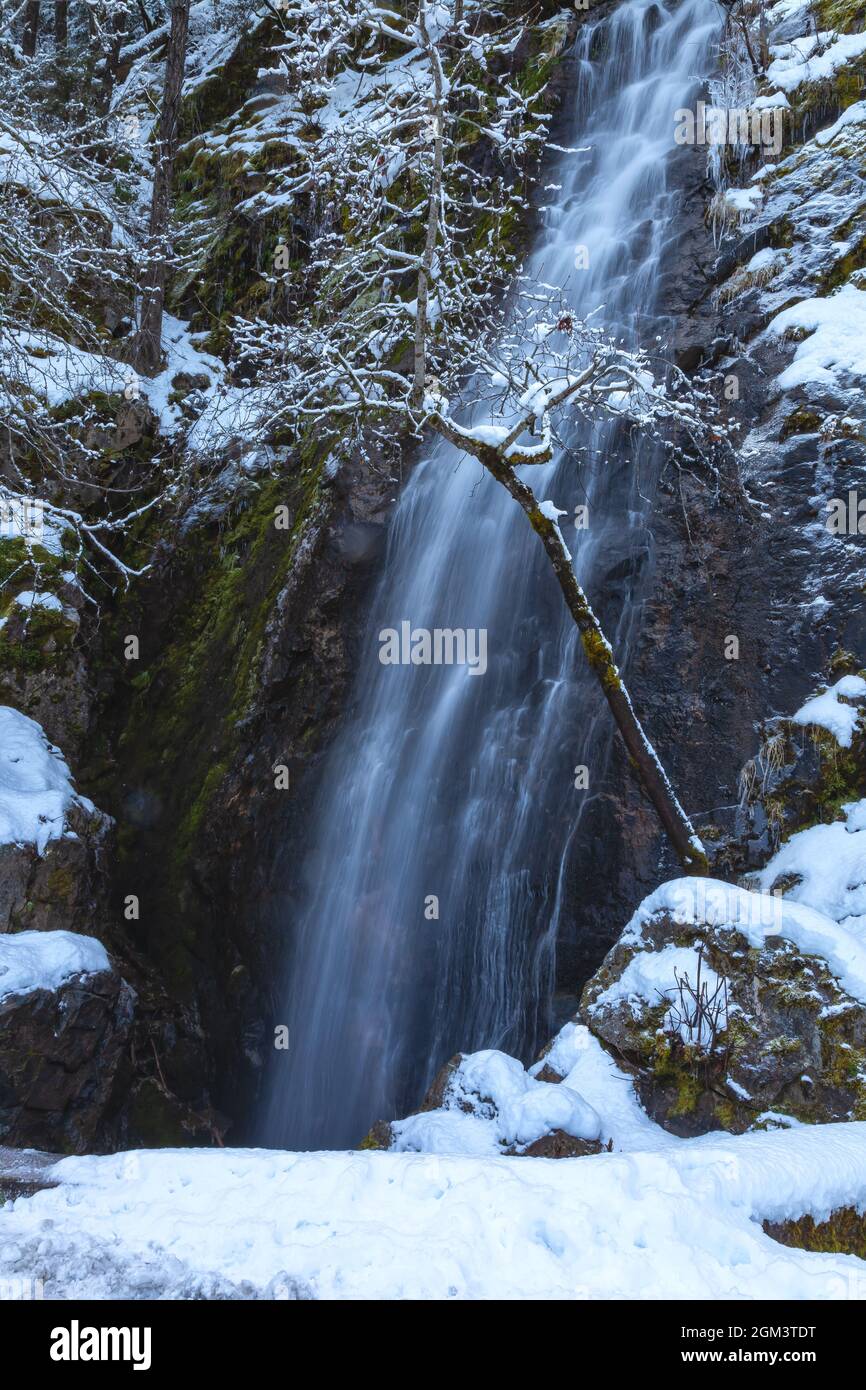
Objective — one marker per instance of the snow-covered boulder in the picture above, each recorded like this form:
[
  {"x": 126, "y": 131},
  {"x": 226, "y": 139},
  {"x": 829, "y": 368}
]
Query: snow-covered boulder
[
  {"x": 487, "y": 1103},
  {"x": 735, "y": 1009},
  {"x": 65, "y": 1018},
  {"x": 50, "y": 836}
]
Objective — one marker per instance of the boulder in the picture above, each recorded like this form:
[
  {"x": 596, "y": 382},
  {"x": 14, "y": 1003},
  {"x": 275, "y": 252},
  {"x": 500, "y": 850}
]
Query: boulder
[
  {"x": 718, "y": 1002},
  {"x": 487, "y": 1103},
  {"x": 62, "y": 1052}
]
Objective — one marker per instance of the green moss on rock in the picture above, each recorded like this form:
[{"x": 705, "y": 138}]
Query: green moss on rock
[{"x": 843, "y": 1233}]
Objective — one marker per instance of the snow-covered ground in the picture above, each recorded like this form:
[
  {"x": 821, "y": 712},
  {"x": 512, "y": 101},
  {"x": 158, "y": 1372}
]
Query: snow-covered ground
[{"x": 672, "y": 1219}]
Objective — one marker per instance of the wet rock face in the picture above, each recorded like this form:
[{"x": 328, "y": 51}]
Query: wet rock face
[
  {"x": 62, "y": 1059},
  {"x": 782, "y": 1036}
]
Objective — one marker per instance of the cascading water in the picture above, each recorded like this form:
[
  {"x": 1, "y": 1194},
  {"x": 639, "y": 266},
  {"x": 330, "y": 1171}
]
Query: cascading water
[{"x": 459, "y": 787}]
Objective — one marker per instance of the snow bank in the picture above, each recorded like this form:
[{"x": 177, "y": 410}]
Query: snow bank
[
  {"x": 36, "y": 789},
  {"x": 678, "y": 1222},
  {"x": 694, "y": 901},
  {"x": 827, "y": 712},
  {"x": 46, "y": 959}
]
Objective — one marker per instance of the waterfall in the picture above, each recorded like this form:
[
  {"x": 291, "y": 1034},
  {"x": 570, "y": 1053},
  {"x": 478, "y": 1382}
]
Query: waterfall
[{"x": 448, "y": 785}]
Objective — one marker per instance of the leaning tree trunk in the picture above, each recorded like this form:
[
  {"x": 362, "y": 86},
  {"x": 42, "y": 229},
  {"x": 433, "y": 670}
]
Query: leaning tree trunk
[
  {"x": 148, "y": 350},
  {"x": 31, "y": 28},
  {"x": 676, "y": 824}
]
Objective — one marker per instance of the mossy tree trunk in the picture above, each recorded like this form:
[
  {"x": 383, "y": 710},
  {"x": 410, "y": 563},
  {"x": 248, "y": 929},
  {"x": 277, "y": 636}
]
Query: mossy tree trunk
[{"x": 644, "y": 760}]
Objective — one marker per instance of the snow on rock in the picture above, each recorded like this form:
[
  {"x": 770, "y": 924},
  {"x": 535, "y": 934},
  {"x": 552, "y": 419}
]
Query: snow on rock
[
  {"x": 65, "y": 1023},
  {"x": 564, "y": 1052},
  {"x": 36, "y": 788},
  {"x": 852, "y": 115},
  {"x": 490, "y": 1105},
  {"x": 828, "y": 866},
  {"x": 770, "y": 102},
  {"x": 755, "y": 916},
  {"x": 651, "y": 975},
  {"x": 837, "y": 341},
  {"x": 828, "y": 710},
  {"x": 812, "y": 59},
  {"x": 682, "y": 1221},
  {"x": 743, "y": 202},
  {"x": 32, "y": 960}
]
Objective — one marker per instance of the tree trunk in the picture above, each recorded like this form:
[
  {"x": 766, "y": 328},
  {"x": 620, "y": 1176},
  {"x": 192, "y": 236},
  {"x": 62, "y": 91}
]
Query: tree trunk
[
  {"x": 676, "y": 824},
  {"x": 31, "y": 28},
  {"x": 432, "y": 234},
  {"x": 61, "y": 23},
  {"x": 149, "y": 345},
  {"x": 115, "y": 35}
]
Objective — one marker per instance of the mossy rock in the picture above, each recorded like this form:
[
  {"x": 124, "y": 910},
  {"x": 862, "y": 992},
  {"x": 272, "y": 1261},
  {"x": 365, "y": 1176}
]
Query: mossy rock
[
  {"x": 843, "y": 1233},
  {"x": 785, "y": 1038}
]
